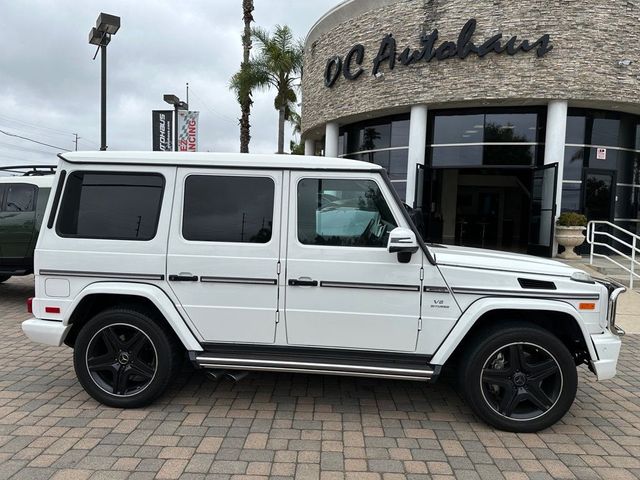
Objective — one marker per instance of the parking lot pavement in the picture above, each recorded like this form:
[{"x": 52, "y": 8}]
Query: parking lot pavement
[{"x": 282, "y": 425}]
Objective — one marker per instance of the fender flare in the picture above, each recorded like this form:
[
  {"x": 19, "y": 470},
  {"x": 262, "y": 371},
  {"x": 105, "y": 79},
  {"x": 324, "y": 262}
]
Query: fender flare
[
  {"x": 152, "y": 293},
  {"x": 486, "y": 305}
]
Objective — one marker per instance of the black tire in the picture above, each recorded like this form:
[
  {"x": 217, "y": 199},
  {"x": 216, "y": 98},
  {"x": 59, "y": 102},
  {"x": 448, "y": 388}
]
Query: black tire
[
  {"x": 518, "y": 378},
  {"x": 4, "y": 278},
  {"x": 133, "y": 359}
]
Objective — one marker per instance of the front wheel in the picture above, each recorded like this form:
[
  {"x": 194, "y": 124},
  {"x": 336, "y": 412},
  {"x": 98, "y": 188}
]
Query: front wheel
[
  {"x": 123, "y": 358},
  {"x": 519, "y": 378}
]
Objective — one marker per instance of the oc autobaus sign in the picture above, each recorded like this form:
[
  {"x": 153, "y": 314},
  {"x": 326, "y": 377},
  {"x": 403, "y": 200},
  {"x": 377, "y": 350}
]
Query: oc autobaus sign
[{"x": 351, "y": 66}]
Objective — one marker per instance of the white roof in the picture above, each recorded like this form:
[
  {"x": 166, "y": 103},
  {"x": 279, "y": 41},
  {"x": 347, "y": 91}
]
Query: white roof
[
  {"x": 40, "y": 181},
  {"x": 200, "y": 159}
]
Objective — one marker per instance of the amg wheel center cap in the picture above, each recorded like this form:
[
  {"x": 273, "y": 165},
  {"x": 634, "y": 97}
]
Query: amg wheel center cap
[
  {"x": 123, "y": 358},
  {"x": 519, "y": 379}
]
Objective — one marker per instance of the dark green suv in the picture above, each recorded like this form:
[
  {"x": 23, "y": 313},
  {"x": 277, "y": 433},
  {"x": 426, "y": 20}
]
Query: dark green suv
[{"x": 23, "y": 198}]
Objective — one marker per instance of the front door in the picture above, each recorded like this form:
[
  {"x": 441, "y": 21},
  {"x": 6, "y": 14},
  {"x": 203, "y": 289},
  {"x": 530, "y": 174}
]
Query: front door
[
  {"x": 224, "y": 252},
  {"x": 344, "y": 289},
  {"x": 599, "y": 194},
  {"x": 17, "y": 222},
  {"x": 543, "y": 210}
]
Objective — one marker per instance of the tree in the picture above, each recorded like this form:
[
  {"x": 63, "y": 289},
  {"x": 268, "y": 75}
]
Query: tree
[
  {"x": 296, "y": 146},
  {"x": 242, "y": 82},
  {"x": 278, "y": 66}
]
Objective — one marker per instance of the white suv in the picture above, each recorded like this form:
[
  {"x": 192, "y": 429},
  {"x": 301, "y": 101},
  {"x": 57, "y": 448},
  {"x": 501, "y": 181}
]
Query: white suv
[{"x": 312, "y": 265}]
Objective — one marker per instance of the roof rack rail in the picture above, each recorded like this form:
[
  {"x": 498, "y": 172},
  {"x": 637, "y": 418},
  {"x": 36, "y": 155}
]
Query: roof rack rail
[{"x": 30, "y": 170}]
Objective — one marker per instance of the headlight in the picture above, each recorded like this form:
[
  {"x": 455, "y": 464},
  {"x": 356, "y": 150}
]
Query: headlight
[{"x": 582, "y": 277}]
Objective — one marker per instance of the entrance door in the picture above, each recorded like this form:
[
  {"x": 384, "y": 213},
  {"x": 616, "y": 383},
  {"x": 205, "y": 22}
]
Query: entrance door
[
  {"x": 344, "y": 289},
  {"x": 543, "y": 210},
  {"x": 224, "y": 252},
  {"x": 599, "y": 194}
]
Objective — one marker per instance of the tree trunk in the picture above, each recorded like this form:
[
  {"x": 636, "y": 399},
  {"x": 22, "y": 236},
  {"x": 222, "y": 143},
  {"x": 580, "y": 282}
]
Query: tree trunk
[
  {"x": 245, "y": 101},
  {"x": 281, "y": 119}
]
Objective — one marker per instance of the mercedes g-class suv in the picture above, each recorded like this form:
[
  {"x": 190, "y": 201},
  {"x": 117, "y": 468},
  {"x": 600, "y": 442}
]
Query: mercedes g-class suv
[
  {"x": 299, "y": 264},
  {"x": 23, "y": 198}
]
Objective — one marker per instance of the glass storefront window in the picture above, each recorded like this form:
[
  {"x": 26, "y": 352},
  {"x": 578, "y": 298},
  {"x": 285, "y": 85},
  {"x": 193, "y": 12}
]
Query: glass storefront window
[
  {"x": 603, "y": 128},
  {"x": 573, "y": 162},
  {"x": 511, "y": 127},
  {"x": 458, "y": 129},
  {"x": 483, "y": 155},
  {"x": 381, "y": 133},
  {"x": 571, "y": 197}
]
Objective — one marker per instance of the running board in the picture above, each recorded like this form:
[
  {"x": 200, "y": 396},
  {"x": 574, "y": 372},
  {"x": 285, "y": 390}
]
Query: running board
[{"x": 270, "y": 365}]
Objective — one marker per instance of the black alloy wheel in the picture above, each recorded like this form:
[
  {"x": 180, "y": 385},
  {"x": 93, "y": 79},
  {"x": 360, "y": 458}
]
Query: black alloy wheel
[
  {"x": 521, "y": 381},
  {"x": 518, "y": 377},
  {"x": 121, "y": 359},
  {"x": 126, "y": 357}
]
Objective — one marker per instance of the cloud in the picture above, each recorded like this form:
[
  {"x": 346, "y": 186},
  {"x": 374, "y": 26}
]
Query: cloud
[{"x": 51, "y": 88}]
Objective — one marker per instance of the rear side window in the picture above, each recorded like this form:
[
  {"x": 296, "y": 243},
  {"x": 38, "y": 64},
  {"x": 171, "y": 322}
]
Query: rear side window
[
  {"x": 20, "y": 198},
  {"x": 228, "y": 209},
  {"x": 112, "y": 206}
]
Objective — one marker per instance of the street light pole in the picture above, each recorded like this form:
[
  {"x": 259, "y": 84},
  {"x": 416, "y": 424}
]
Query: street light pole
[
  {"x": 103, "y": 98},
  {"x": 177, "y": 105},
  {"x": 100, "y": 35}
]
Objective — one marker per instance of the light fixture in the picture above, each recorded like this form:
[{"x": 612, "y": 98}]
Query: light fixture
[{"x": 108, "y": 23}]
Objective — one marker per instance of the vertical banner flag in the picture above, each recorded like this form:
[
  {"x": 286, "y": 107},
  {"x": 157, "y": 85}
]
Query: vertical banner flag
[
  {"x": 162, "y": 126},
  {"x": 188, "y": 131}
]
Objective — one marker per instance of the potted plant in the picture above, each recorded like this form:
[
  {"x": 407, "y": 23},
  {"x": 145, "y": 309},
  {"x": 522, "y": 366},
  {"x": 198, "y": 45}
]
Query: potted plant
[{"x": 570, "y": 233}]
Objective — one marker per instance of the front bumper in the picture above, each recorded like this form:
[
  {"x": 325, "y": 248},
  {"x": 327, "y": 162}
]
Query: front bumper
[
  {"x": 49, "y": 332},
  {"x": 608, "y": 344}
]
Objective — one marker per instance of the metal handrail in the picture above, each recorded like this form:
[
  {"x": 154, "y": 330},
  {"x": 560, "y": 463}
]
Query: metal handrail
[{"x": 635, "y": 241}]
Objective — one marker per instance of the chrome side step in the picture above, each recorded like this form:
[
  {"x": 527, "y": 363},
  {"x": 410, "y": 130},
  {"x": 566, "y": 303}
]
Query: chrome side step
[{"x": 226, "y": 363}]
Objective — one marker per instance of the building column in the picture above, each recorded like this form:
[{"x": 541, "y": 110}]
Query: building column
[
  {"x": 332, "y": 133},
  {"x": 417, "y": 148},
  {"x": 555, "y": 141},
  {"x": 309, "y": 147}
]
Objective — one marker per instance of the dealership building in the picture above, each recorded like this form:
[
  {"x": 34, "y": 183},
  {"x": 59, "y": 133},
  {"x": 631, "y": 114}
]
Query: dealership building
[{"x": 492, "y": 116}]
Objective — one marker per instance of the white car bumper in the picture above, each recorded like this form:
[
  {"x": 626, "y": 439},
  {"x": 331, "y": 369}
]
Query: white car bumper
[
  {"x": 607, "y": 347},
  {"x": 49, "y": 332}
]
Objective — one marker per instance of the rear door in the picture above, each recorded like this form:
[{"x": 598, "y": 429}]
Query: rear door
[
  {"x": 224, "y": 252},
  {"x": 17, "y": 220}
]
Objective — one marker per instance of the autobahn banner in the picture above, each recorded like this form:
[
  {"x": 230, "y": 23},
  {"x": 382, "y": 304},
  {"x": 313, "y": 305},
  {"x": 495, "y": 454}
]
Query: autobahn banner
[
  {"x": 162, "y": 130},
  {"x": 188, "y": 131}
]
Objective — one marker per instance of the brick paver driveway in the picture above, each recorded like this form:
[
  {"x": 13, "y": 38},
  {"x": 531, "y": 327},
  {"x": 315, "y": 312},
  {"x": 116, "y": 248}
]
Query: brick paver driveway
[{"x": 292, "y": 425}]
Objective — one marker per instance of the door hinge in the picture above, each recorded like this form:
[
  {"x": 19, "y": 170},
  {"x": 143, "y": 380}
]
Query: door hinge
[
  {"x": 277, "y": 316},
  {"x": 419, "y": 324},
  {"x": 421, "y": 273},
  {"x": 278, "y": 268}
]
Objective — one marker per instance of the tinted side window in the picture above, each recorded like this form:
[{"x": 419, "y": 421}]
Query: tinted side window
[
  {"x": 228, "y": 209},
  {"x": 20, "y": 198},
  {"x": 348, "y": 213},
  {"x": 122, "y": 206}
]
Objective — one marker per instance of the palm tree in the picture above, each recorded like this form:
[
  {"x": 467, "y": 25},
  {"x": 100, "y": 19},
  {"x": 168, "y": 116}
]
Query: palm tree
[
  {"x": 242, "y": 82},
  {"x": 278, "y": 65}
]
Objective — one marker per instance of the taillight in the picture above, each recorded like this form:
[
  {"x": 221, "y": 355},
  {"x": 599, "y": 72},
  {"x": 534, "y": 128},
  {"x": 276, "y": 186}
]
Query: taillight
[
  {"x": 30, "y": 305},
  {"x": 52, "y": 309}
]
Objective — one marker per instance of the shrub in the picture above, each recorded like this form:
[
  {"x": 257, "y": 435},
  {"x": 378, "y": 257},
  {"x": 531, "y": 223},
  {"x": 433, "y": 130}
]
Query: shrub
[{"x": 572, "y": 219}]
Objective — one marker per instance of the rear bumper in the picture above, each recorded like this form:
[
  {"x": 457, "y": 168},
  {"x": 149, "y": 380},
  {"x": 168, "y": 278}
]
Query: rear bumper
[
  {"x": 607, "y": 347},
  {"x": 49, "y": 332}
]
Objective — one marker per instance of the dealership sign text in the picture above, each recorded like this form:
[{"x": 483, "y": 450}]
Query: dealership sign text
[{"x": 351, "y": 66}]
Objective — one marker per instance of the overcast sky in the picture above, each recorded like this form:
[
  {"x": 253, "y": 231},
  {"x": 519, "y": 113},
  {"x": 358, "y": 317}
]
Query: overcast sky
[{"x": 50, "y": 87}]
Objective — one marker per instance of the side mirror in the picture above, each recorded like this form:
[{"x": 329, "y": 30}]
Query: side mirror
[{"x": 403, "y": 242}]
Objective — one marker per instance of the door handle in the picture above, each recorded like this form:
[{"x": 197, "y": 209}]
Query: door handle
[
  {"x": 183, "y": 278},
  {"x": 303, "y": 283}
]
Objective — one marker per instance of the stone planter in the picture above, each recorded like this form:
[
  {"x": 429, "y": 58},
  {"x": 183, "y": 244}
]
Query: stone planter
[{"x": 569, "y": 238}]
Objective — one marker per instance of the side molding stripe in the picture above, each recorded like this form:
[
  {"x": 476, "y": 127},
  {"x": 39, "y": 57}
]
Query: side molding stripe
[
  {"x": 114, "y": 275},
  {"x": 237, "y": 280},
  {"x": 525, "y": 293},
  {"x": 370, "y": 286}
]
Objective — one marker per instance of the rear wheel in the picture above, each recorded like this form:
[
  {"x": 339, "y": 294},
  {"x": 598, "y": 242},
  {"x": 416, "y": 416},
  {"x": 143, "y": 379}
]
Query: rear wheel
[
  {"x": 124, "y": 358},
  {"x": 4, "y": 278},
  {"x": 520, "y": 378}
]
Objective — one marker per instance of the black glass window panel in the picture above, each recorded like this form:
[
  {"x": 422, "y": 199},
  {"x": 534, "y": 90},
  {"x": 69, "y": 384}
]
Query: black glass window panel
[
  {"x": 571, "y": 197},
  {"x": 400, "y": 133},
  {"x": 20, "y": 198},
  {"x": 449, "y": 129},
  {"x": 511, "y": 127},
  {"x": 122, "y": 206},
  {"x": 346, "y": 213},
  {"x": 221, "y": 208},
  {"x": 523, "y": 155},
  {"x": 573, "y": 162}
]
